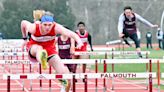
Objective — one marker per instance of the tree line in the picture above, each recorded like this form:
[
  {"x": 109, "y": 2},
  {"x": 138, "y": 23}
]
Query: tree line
[{"x": 14, "y": 11}]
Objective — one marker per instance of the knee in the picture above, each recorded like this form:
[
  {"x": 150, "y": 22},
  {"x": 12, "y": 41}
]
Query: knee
[{"x": 37, "y": 47}]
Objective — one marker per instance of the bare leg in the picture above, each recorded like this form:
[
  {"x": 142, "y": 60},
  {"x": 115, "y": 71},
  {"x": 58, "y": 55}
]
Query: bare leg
[
  {"x": 56, "y": 63},
  {"x": 84, "y": 65},
  {"x": 40, "y": 54},
  {"x": 35, "y": 49},
  {"x": 75, "y": 67}
]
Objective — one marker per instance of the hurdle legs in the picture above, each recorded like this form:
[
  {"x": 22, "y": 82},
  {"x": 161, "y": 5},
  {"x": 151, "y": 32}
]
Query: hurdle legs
[
  {"x": 104, "y": 81},
  {"x": 50, "y": 80},
  {"x": 96, "y": 80},
  {"x": 30, "y": 80},
  {"x": 8, "y": 83},
  {"x": 150, "y": 77}
]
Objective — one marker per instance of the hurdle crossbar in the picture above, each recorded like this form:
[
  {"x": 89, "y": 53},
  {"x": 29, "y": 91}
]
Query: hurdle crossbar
[
  {"x": 14, "y": 53},
  {"x": 112, "y": 52},
  {"x": 65, "y": 61},
  {"x": 113, "y": 42},
  {"x": 34, "y": 76},
  {"x": 101, "y": 49},
  {"x": 130, "y": 61},
  {"x": 162, "y": 75},
  {"x": 89, "y": 61}
]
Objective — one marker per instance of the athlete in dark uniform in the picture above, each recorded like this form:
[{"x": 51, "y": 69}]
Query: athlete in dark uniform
[
  {"x": 66, "y": 49},
  {"x": 127, "y": 26}
]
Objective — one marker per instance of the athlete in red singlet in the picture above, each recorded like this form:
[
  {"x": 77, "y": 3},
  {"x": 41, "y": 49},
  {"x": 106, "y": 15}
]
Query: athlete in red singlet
[
  {"x": 86, "y": 38},
  {"x": 41, "y": 47}
]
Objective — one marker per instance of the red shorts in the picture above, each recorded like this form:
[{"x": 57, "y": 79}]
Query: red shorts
[{"x": 49, "y": 47}]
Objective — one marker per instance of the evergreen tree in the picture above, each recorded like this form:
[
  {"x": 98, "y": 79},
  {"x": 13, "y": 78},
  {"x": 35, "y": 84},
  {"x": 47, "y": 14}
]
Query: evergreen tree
[{"x": 17, "y": 10}]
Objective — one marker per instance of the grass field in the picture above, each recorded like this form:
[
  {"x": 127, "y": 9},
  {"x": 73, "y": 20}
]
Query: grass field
[{"x": 136, "y": 67}]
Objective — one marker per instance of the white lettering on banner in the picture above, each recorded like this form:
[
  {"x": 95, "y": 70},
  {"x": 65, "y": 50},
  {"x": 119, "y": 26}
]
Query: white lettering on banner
[
  {"x": 5, "y": 53},
  {"x": 64, "y": 46},
  {"x": 17, "y": 62},
  {"x": 119, "y": 75},
  {"x": 130, "y": 23},
  {"x": 15, "y": 54},
  {"x": 43, "y": 38},
  {"x": 41, "y": 77},
  {"x": 89, "y": 53}
]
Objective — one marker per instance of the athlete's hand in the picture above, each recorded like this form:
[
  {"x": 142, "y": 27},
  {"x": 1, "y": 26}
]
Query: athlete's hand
[
  {"x": 24, "y": 44},
  {"x": 121, "y": 35},
  {"x": 79, "y": 45},
  {"x": 72, "y": 52}
]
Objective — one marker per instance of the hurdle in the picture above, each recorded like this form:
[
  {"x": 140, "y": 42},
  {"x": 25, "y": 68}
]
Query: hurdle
[
  {"x": 113, "y": 53},
  {"x": 96, "y": 49},
  {"x": 105, "y": 53},
  {"x": 117, "y": 42},
  {"x": 28, "y": 63},
  {"x": 9, "y": 77},
  {"x": 111, "y": 61},
  {"x": 69, "y": 61},
  {"x": 146, "y": 53},
  {"x": 77, "y": 61},
  {"x": 121, "y": 61}
]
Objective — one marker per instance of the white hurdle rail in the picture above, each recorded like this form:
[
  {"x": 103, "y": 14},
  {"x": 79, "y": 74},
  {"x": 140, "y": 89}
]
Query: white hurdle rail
[
  {"x": 112, "y": 53},
  {"x": 13, "y": 53},
  {"x": 113, "y": 42},
  {"x": 34, "y": 76},
  {"x": 101, "y": 61},
  {"x": 12, "y": 48},
  {"x": 86, "y": 76},
  {"x": 81, "y": 53},
  {"x": 88, "y": 61},
  {"x": 162, "y": 75},
  {"x": 139, "y": 61},
  {"x": 65, "y": 61},
  {"x": 101, "y": 49}
]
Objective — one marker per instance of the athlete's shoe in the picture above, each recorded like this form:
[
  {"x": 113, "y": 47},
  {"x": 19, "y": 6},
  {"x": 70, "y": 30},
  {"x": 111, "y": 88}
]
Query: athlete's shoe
[
  {"x": 66, "y": 85},
  {"x": 64, "y": 82},
  {"x": 139, "y": 55},
  {"x": 43, "y": 57}
]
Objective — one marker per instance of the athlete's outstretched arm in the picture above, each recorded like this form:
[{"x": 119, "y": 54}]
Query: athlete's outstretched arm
[
  {"x": 72, "y": 49},
  {"x": 62, "y": 30},
  {"x": 138, "y": 17},
  {"x": 26, "y": 27}
]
